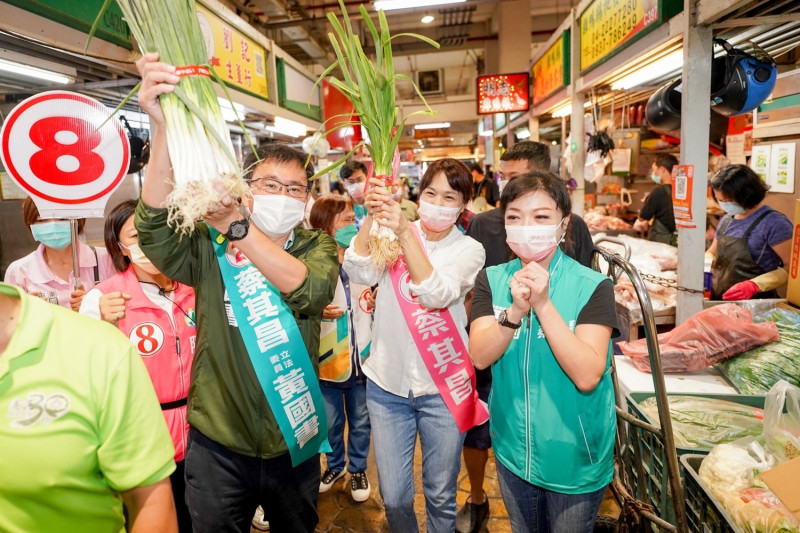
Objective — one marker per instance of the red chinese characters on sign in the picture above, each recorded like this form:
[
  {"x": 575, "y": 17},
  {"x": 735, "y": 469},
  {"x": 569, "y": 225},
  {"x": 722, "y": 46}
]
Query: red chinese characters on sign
[{"x": 503, "y": 93}]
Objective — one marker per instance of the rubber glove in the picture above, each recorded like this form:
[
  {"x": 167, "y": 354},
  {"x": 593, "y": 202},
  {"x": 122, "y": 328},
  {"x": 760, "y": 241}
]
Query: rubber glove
[
  {"x": 771, "y": 280},
  {"x": 744, "y": 290}
]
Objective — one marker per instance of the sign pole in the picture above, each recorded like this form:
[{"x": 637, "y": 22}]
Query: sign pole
[{"x": 76, "y": 265}]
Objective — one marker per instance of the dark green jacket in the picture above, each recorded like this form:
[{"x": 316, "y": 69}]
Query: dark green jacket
[{"x": 226, "y": 402}]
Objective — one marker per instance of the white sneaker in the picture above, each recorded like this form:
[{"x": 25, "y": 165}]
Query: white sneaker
[
  {"x": 359, "y": 486},
  {"x": 329, "y": 477},
  {"x": 258, "y": 520}
]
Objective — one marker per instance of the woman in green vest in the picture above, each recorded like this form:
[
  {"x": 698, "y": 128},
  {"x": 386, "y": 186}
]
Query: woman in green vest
[{"x": 544, "y": 323}]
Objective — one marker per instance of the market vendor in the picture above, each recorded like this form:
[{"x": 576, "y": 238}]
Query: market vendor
[
  {"x": 752, "y": 242},
  {"x": 658, "y": 205}
]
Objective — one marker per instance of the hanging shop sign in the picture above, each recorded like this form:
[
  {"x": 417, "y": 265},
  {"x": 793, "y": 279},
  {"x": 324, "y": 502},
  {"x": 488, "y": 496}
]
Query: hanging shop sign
[
  {"x": 431, "y": 133},
  {"x": 682, "y": 178},
  {"x": 81, "y": 15},
  {"x": 551, "y": 71},
  {"x": 293, "y": 82},
  {"x": 609, "y": 26},
  {"x": 237, "y": 59},
  {"x": 503, "y": 93},
  {"x": 63, "y": 150}
]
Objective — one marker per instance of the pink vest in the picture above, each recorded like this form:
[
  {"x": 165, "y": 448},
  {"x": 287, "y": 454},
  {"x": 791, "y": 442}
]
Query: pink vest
[{"x": 167, "y": 352}]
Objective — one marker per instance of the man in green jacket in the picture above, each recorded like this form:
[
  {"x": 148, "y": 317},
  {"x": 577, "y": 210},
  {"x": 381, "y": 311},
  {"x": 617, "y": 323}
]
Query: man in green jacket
[{"x": 261, "y": 282}]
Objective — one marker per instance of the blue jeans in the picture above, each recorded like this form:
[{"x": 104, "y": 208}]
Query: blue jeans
[
  {"x": 223, "y": 489},
  {"x": 396, "y": 421},
  {"x": 350, "y": 404},
  {"x": 534, "y": 509}
]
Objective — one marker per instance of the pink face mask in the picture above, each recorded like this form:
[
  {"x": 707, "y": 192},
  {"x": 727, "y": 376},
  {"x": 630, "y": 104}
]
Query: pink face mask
[
  {"x": 533, "y": 243},
  {"x": 437, "y": 217}
]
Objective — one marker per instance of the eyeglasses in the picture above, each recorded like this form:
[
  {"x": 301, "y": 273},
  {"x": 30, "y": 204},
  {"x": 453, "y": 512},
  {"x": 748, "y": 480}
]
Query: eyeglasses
[{"x": 271, "y": 186}]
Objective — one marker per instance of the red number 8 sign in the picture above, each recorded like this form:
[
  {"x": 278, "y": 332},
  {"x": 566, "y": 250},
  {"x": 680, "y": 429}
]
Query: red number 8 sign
[{"x": 62, "y": 148}]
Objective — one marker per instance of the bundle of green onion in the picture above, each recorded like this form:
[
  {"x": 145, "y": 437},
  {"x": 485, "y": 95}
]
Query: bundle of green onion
[
  {"x": 198, "y": 139},
  {"x": 370, "y": 86}
]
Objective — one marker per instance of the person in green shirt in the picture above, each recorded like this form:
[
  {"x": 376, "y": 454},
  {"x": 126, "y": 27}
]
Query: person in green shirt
[
  {"x": 544, "y": 322},
  {"x": 81, "y": 430},
  {"x": 242, "y": 452}
]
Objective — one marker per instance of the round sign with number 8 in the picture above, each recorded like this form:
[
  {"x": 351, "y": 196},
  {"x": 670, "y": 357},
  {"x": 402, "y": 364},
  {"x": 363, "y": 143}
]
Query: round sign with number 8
[{"x": 63, "y": 148}]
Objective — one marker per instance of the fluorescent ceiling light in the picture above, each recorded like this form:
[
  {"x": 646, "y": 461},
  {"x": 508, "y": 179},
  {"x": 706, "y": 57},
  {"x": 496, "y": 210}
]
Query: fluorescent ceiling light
[
  {"x": 230, "y": 111},
  {"x": 524, "y": 134},
  {"x": 657, "y": 69},
  {"x": 432, "y": 126},
  {"x": 388, "y": 5},
  {"x": 486, "y": 133},
  {"x": 284, "y": 126},
  {"x": 33, "y": 72},
  {"x": 427, "y": 19},
  {"x": 566, "y": 109}
]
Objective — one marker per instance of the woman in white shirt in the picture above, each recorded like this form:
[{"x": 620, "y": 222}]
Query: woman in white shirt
[{"x": 406, "y": 371}]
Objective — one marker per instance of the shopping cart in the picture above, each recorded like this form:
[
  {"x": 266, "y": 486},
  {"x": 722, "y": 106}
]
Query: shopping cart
[{"x": 647, "y": 483}]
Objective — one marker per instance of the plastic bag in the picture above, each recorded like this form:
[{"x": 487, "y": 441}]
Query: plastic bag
[
  {"x": 782, "y": 421},
  {"x": 756, "y": 371},
  {"x": 699, "y": 422},
  {"x": 708, "y": 337},
  {"x": 731, "y": 472}
]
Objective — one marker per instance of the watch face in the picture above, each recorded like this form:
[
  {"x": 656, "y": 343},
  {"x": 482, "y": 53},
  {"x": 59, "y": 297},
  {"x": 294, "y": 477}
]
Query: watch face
[{"x": 237, "y": 230}]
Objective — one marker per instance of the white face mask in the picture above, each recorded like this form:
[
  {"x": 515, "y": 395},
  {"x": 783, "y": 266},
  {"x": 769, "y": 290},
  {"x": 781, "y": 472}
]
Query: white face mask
[
  {"x": 276, "y": 214},
  {"x": 138, "y": 258},
  {"x": 437, "y": 217},
  {"x": 355, "y": 190},
  {"x": 502, "y": 185},
  {"x": 533, "y": 243}
]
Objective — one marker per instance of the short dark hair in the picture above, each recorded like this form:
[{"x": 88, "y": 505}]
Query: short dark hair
[
  {"x": 30, "y": 214},
  {"x": 667, "y": 161},
  {"x": 535, "y": 153},
  {"x": 276, "y": 152},
  {"x": 325, "y": 209},
  {"x": 457, "y": 173},
  {"x": 113, "y": 225},
  {"x": 541, "y": 180},
  {"x": 740, "y": 183},
  {"x": 350, "y": 167},
  {"x": 475, "y": 167}
]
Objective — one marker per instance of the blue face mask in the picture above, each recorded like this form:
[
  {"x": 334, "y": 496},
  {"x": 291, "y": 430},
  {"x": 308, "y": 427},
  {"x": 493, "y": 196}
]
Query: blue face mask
[
  {"x": 56, "y": 234},
  {"x": 345, "y": 234},
  {"x": 655, "y": 177},
  {"x": 732, "y": 208}
]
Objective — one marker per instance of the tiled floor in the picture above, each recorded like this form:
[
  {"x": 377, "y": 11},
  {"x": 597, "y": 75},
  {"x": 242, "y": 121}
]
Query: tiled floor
[{"x": 338, "y": 512}]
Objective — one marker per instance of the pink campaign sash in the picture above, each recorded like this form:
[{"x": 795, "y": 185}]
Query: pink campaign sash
[{"x": 446, "y": 357}]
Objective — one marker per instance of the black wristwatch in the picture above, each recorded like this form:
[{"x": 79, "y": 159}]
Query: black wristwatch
[
  {"x": 238, "y": 230},
  {"x": 503, "y": 320}
]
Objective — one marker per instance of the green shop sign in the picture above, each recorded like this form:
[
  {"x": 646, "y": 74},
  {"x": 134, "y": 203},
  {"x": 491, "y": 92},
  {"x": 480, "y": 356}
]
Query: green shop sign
[{"x": 81, "y": 15}]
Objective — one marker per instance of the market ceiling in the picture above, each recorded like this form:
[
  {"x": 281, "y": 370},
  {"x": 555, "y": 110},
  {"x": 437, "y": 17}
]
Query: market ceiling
[{"x": 300, "y": 28}]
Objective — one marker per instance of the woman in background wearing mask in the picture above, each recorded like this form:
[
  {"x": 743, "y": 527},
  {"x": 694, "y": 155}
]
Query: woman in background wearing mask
[
  {"x": 345, "y": 337},
  {"x": 403, "y": 387},
  {"x": 544, "y": 323},
  {"x": 753, "y": 241},
  {"x": 157, "y": 314},
  {"x": 47, "y": 271}
]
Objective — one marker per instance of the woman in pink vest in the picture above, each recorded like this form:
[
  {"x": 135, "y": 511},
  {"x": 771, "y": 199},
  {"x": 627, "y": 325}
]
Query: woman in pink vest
[{"x": 157, "y": 315}]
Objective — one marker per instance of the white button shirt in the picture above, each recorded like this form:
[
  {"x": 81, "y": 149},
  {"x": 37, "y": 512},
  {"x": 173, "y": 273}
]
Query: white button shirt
[{"x": 394, "y": 362}]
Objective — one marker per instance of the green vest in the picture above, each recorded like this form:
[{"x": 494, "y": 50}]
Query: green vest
[{"x": 543, "y": 428}]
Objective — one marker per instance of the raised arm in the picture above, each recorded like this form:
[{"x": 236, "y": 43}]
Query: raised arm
[{"x": 157, "y": 78}]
